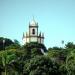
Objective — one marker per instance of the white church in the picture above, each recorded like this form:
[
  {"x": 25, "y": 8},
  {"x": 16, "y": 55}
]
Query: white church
[{"x": 32, "y": 35}]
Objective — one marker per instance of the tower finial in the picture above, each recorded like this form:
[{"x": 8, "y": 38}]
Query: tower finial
[
  {"x": 42, "y": 34},
  {"x": 23, "y": 35},
  {"x": 33, "y": 17}
]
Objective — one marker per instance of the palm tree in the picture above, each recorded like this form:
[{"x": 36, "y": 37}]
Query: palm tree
[
  {"x": 62, "y": 42},
  {"x": 7, "y": 58}
]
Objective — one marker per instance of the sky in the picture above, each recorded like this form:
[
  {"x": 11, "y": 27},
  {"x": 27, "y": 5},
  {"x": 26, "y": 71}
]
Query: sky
[{"x": 56, "y": 19}]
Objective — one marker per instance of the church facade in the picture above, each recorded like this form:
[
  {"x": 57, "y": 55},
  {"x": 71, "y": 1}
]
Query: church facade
[{"x": 32, "y": 35}]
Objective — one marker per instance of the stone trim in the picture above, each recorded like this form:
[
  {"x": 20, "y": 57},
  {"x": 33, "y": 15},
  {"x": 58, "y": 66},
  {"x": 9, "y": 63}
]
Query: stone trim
[{"x": 32, "y": 26}]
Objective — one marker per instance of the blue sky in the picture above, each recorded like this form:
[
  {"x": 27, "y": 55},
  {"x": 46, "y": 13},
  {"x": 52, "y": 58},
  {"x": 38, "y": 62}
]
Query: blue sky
[{"x": 56, "y": 19}]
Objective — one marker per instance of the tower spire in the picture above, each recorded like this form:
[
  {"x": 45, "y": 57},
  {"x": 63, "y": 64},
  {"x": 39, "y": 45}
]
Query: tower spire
[
  {"x": 33, "y": 22},
  {"x": 33, "y": 18},
  {"x": 23, "y": 35}
]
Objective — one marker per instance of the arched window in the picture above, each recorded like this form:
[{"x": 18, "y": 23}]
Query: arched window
[{"x": 33, "y": 31}]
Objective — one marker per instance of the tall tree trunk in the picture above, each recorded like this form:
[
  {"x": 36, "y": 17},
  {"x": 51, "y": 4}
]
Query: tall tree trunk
[{"x": 5, "y": 70}]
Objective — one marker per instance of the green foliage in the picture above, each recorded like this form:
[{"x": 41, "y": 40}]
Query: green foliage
[
  {"x": 40, "y": 65},
  {"x": 35, "y": 52},
  {"x": 57, "y": 54},
  {"x": 70, "y": 45},
  {"x": 30, "y": 60},
  {"x": 6, "y": 58},
  {"x": 13, "y": 47},
  {"x": 53, "y": 53},
  {"x": 32, "y": 45},
  {"x": 62, "y": 69},
  {"x": 70, "y": 63},
  {"x": 7, "y": 55},
  {"x": 16, "y": 42},
  {"x": 7, "y": 42}
]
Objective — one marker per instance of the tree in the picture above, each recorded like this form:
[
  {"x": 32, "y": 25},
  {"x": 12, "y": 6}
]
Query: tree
[
  {"x": 62, "y": 69},
  {"x": 35, "y": 52},
  {"x": 70, "y": 45},
  {"x": 14, "y": 46},
  {"x": 41, "y": 65},
  {"x": 7, "y": 42},
  {"x": 18, "y": 64},
  {"x": 16, "y": 42},
  {"x": 6, "y": 58},
  {"x": 57, "y": 54},
  {"x": 36, "y": 45},
  {"x": 70, "y": 63}
]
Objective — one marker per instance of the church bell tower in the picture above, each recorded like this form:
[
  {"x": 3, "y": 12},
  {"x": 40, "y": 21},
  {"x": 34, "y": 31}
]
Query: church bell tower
[
  {"x": 32, "y": 34},
  {"x": 33, "y": 31}
]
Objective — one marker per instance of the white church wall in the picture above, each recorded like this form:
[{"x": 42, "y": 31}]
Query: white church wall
[
  {"x": 33, "y": 39},
  {"x": 24, "y": 41},
  {"x": 27, "y": 40},
  {"x": 42, "y": 40},
  {"x": 38, "y": 40}
]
